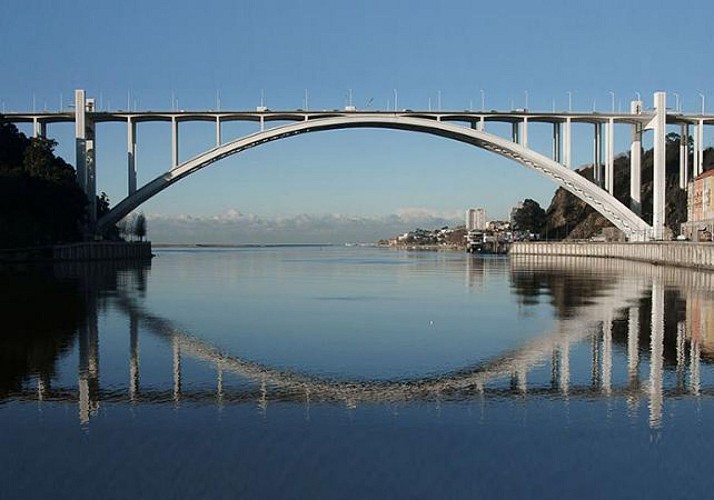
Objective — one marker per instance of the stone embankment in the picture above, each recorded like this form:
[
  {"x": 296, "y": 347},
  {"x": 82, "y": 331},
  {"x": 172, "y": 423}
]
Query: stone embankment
[
  {"x": 95, "y": 250},
  {"x": 679, "y": 253}
]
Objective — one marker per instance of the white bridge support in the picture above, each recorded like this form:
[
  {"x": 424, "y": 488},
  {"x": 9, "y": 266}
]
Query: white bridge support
[
  {"x": 658, "y": 125},
  {"x": 683, "y": 156},
  {"x": 699, "y": 147},
  {"x": 636, "y": 161},
  {"x": 86, "y": 170},
  {"x": 567, "y": 143},
  {"x": 597, "y": 155},
  {"x": 131, "y": 154},
  {"x": 610, "y": 156}
]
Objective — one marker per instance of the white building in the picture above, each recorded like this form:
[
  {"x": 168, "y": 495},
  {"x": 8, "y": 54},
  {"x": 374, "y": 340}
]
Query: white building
[{"x": 475, "y": 219}]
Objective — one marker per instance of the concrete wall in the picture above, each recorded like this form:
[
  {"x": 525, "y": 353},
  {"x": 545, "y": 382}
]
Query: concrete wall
[
  {"x": 102, "y": 251},
  {"x": 680, "y": 253}
]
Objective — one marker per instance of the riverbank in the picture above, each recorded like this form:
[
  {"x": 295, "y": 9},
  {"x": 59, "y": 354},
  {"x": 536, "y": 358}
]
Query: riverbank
[
  {"x": 83, "y": 251},
  {"x": 680, "y": 253}
]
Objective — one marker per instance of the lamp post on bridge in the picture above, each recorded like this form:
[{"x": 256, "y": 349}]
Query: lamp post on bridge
[
  {"x": 570, "y": 101},
  {"x": 483, "y": 100},
  {"x": 702, "y": 96},
  {"x": 612, "y": 95}
]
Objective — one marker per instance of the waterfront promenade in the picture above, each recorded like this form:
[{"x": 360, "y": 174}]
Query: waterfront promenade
[{"x": 683, "y": 254}]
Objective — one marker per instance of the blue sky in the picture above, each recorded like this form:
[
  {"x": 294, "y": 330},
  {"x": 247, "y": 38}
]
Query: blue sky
[{"x": 195, "y": 49}]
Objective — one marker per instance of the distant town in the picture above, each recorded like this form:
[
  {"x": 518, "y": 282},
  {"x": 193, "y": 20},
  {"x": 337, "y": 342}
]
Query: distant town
[{"x": 478, "y": 234}]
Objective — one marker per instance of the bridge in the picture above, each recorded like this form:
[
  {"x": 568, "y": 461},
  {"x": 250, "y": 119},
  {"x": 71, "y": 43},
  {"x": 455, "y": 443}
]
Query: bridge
[{"x": 468, "y": 127}]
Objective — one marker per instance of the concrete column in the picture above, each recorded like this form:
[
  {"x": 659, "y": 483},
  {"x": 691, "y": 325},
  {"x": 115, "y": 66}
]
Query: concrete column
[
  {"x": 656, "y": 354},
  {"x": 636, "y": 163},
  {"x": 597, "y": 155},
  {"x": 218, "y": 131},
  {"x": 131, "y": 154},
  {"x": 39, "y": 128},
  {"x": 556, "y": 142},
  {"x": 174, "y": 142},
  {"x": 659, "y": 125},
  {"x": 699, "y": 146},
  {"x": 683, "y": 156},
  {"x": 610, "y": 156},
  {"x": 525, "y": 133},
  {"x": 567, "y": 142},
  {"x": 80, "y": 134},
  {"x": 482, "y": 124},
  {"x": 514, "y": 133}
]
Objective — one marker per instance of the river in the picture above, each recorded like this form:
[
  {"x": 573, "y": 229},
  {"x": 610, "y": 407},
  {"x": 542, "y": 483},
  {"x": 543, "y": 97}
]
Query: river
[{"x": 330, "y": 372}]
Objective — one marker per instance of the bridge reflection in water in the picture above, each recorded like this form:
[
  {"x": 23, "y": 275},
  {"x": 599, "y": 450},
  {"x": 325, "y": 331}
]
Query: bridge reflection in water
[{"x": 624, "y": 309}]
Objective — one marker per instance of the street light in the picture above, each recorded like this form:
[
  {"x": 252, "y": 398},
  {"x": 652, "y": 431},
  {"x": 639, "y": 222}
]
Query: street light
[
  {"x": 612, "y": 95},
  {"x": 438, "y": 100},
  {"x": 676, "y": 101},
  {"x": 395, "y": 101},
  {"x": 570, "y": 101},
  {"x": 525, "y": 92},
  {"x": 483, "y": 100},
  {"x": 638, "y": 96},
  {"x": 702, "y": 96}
]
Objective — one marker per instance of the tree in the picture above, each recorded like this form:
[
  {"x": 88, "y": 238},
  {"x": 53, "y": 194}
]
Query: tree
[
  {"x": 140, "y": 227},
  {"x": 530, "y": 217}
]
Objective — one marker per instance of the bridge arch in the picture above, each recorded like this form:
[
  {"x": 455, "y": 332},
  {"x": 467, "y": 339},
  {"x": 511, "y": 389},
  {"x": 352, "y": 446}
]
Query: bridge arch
[{"x": 606, "y": 204}]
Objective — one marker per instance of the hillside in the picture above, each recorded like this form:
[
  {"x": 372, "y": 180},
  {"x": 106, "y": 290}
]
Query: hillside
[{"x": 568, "y": 217}]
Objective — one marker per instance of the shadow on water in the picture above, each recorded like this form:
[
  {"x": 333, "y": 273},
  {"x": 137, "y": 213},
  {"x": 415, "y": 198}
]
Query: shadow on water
[{"x": 45, "y": 306}]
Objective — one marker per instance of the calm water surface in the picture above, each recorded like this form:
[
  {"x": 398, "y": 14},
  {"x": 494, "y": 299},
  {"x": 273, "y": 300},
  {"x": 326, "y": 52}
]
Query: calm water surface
[{"x": 356, "y": 373}]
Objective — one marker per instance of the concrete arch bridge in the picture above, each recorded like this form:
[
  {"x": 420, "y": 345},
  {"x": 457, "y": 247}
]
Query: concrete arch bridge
[{"x": 467, "y": 127}]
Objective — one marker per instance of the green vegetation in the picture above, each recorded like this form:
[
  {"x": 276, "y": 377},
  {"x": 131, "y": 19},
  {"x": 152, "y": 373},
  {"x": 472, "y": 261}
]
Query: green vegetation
[
  {"x": 40, "y": 201},
  {"x": 530, "y": 217}
]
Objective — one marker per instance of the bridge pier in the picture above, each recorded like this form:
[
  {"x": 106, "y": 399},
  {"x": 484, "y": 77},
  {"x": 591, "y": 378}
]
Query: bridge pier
[
  {"x": 515, "y": 136},
  {"x": 84, "y": 154},
  {"x": 218, "y": 131},
  {"x": 636, "y": 162},
  {"x": 174, "y": 142},
  {"x": 524, "y": 138},
  {"x": 597, "y": 155},
  {"x": 556, "y": 142},
  {"x": 683, "y": 156},
  {"x": 131, "y": 154},
  {"x": 39, "y": 128},
  {"x": 699, "y": 148},
  {"x": 610, "y": 156},
  {"x": 567, "y": 143},
  {"x": 658, "y": 124}
]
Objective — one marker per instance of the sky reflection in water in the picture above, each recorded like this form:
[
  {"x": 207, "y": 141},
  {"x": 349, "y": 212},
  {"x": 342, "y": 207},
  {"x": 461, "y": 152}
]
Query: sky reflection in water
[{"x": 356, "y": 372}]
